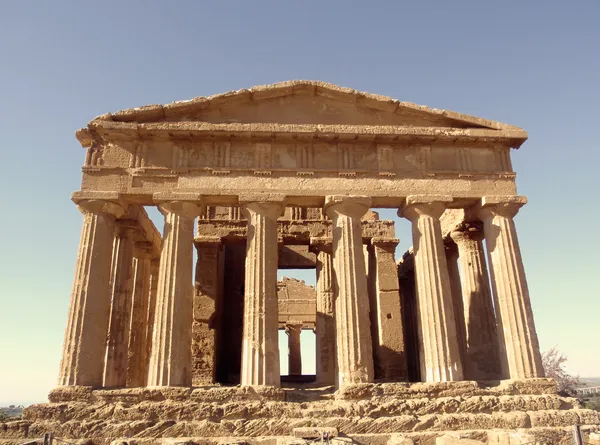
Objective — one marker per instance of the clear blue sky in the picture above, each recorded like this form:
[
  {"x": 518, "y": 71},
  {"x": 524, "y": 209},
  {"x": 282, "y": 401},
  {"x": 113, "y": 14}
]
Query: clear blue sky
[{"x": 533, "y": 64}]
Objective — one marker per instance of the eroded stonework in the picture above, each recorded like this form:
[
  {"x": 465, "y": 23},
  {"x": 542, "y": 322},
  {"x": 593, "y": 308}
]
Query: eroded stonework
[{"x": 440, "y": 348}]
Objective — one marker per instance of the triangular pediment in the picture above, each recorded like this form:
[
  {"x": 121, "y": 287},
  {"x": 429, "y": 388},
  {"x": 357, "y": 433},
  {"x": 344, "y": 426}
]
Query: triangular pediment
[{"x": 302, "y": 102}]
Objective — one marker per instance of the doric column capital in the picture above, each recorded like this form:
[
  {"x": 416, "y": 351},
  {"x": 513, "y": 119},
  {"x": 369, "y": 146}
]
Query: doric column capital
[
  {"x": 293, "y": 328},
  {"x": 424, "y": 205},
  {"x": 95, "y": 206},
  {"x": 353, "y": 206},
  {"x": 270, "y": 205},
  {"x": 126, "y": 227},
  {"x": 321, "y": 244},
  {"x": 208, "y": 241},
  {"x": 506, "y": 206},
  {"x": 143, "y": 250},
  {"x": 385, "y": 242},
  {"x": 467, "y": 232},
  {"x": 188, "y": 209}
]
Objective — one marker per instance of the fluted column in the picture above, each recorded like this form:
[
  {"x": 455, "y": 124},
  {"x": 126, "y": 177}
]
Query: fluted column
[
  {"x": 115, "y": 367},
  {"x": 517, "y": 332},
  {"x": 353, "y": 330},
  {"x": 451, "y": 250},
  {"x": 482, "y": 355},
  {"x": 137, "y": 360},
  {"x": 260, "y": 348},
  {"x": 171, "y": 359},
  {"x": 325, "y": 321},
  {"x": 150, "y": 317},
  {"x": 293, "y": 331},
  {"x": 439, "y": 352},
  {"x": 85, "y": 336}
]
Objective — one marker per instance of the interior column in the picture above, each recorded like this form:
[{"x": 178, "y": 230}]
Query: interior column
[
  {"x": 260, "y": 346},
  {"x": 520, "y": 351},
  {"x": 137, "y": 361},
  {"x": 451, "y": 250},
  {"x": 439, "y": 353},
  {"x": 89, "y": 311},
  {"x": 115, "y": 368},
  {"x": 171, "y": 360},
  {"x": 293, "y": 331},
  {"x": 154, "y": 267},
  {"x": 482, "y": 355},
  {"x": 325, "y": 320},
  {"x": 353, "y": 331}
]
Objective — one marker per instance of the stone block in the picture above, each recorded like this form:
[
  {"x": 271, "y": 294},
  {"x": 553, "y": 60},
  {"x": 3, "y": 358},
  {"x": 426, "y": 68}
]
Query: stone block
[
  {"x": 452, "y": 439},
  {"x": 400, "y": 439},
  {"x": 315, "y": 432}
]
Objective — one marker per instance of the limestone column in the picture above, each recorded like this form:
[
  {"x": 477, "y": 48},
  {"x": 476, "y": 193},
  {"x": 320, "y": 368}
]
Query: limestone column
[
  {"x": 439, "y": 352},
  {"x": 482, "y": 355},
  {"x": 171, "y": 359},
  {"x": 325, "y": 321},
  {"x": 115, "y": 365},
  {"x": 386, "y": 319},
  {"x": 451, "y": 250},
  {"x": 85, "y": 336},
  {"x": 206, "y": 297},
  {"x": 154, "y": 268},
  {"x": 517, "y": 332},
  {"x": 353, "y": 330},
  {"x": 260, "y": 348},
  {"x": 137, "y": 360},
  {"x": 293, "y": 332}
]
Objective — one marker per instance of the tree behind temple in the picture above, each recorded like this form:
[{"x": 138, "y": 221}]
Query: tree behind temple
[{"x": 554, "y": 367}]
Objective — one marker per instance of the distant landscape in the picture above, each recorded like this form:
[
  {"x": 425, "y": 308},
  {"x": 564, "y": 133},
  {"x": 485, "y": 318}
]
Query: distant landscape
[{"x": 589, "y": 381}]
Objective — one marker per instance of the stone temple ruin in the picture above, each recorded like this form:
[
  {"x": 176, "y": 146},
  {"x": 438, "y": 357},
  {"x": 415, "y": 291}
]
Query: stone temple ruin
[{"x": 439, "y": 348}]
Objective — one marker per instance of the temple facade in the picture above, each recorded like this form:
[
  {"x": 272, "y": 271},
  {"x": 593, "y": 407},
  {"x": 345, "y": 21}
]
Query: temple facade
[
  {"x": 300, "y": 145},
  {"x": 284, "y": 176}
]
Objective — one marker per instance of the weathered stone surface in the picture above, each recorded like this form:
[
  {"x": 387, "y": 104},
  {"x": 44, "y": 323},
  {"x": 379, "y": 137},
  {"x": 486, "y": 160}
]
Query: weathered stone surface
[
  {"x": 171, "y": 361},
  {"x": 519, "y": 342},
  {"x": 89, "y": 312},
  {"x": 439, "y": 352},
  {"x": 260, "y": 350},
  {"x": 354, "y": 349}
]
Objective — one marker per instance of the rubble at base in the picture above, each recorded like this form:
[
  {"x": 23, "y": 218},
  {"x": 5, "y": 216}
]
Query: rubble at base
[{"x": 452, "y": 413}]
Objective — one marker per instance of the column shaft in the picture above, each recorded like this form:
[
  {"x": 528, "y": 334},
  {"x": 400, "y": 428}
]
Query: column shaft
[
  {"x": 293, "y": 332},
  {"x": 439, "y": 352},
  {"x": 137, "y": 361},
  {"x": 260, "y": 348},
  {"x": 482, "y": 356},
  {"x": 457, "y": 301},
  {"x": 115, "y": 368},
  {"x": 171, "y": 360},
  {"x": 325, "y": 321},
  {"x": 150, "y": 317},
  {"x": 85, "y": 336},
  {"x": 514, "y": 314},
  {"x": 354, "y": 348}
]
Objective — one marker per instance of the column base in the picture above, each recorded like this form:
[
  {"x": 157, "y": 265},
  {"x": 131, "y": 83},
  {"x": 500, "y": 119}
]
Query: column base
[{"x": 487, "y": 412}]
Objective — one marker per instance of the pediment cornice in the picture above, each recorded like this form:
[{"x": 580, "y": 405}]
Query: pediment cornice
[{"x": 186, "y": 117}]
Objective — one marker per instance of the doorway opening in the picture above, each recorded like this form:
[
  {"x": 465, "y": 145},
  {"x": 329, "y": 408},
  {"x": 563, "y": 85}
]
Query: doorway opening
[{"x": 296, "y": 297}]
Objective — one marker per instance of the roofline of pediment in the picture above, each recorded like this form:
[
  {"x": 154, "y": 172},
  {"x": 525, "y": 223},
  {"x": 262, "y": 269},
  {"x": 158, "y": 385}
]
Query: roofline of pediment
[
  {"x": 151, "y": 113},
  {"x": 110, "y": 130}
]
